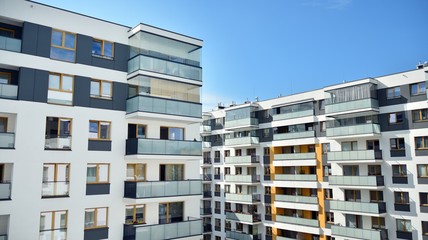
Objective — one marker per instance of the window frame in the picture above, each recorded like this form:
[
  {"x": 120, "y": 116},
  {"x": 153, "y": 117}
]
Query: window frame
[
  {"x": 100, "y": 92},
  {"x": 5, "y": 119},
  {"x": 396, "y": 118},
  {"x": 61, "y": 75},
  {"x": 423, "y": 166},
  {"x": 99, "y": 130},
  {"x": 62, "y": 46},
  {"x": 418, "y": 113},
  {"x": 405, "y": 224},
  {"x": 393, "y": 92},
  {"x": 421, "y": 196},
  {"x": 8, "y": 30},
  {"x": 403, "y": 196},
  {"x": 52, "y": 227},
  {"x": 419, "y": 92},
  {"x": 423, "y": 139},
  {"x": 135, "y": 167},
  {"x": 8, "y": 77},
  {"x": 97, "y": 173},
  {"x": 397, "y": 144},
  {"x": 95, "y": 225},
  {"x": 400, "y": 170},
  {"x": 103, "y": 49},
  {"x": 134, "y": 215},
  {"x": 168, "y": 208},
  {"x": 169, "y": 129}
]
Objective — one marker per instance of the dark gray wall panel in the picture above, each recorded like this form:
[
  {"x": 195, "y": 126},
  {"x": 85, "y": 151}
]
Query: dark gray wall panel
[
  {"x": 96, "y": 234},
  {"x": 121, "y": 57},
  {"x": 29, "y": 38},
  {"x": 120, "y": 94},
  {"x": 41, "y": 84},
  {"x": 99, "y": 145},
  {"x": 102, "y": 62},
  {"x": 421, "y": 152},
  {"x": 82, "y": 86},
  {"x": 422, "y": 180},
  {"x": 383, "y": 101},
  {"x": 385, "y": 126},
  {"x": 418, "y": 125},
  {"x": 44, "y": 41},
  {"x": 404, "y": 235},
  {"x": 398, "y": 153},
  {"x": 84, "y": 49},
  {"x": 418, "y": 98},
  {"x": 98, "y": 189},
  {"x": 26, "y": 84},
  {"x": 101, "y": 103},
  {"x": 268, "y": 138}
]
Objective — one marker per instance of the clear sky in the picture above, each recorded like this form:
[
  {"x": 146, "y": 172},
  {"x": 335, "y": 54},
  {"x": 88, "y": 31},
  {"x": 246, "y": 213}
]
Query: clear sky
[{"x": 272, "y": 47}]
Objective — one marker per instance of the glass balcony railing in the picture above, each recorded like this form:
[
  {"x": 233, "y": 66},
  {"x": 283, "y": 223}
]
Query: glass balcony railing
[
  {"x": 246, "y": 122},
  {"x": 368, "y": 128},
  {"x": 163, "y": 147},
  {"x": 54, "y": 189},
  {"x": 296, "y": 199},
  {"x": 3, "y": 236},
  {"x": 166, "y": 67},
  {"x": 206, "y": 144},
  {"x": 163, "y": 231},
  {"x": 53, "y": 142},
  {"x": 295, "y": 177},
  {"x": 57, "y": 234},
  {"x": 10, "y": 44},
  {"x": 241, "y": 236},
  {"x": 298, "y": 221},
  {"x": 205, "y": 129},
  {"x": 361, "y": 207},
  {"x": 352, "y": 105},
  {"x": 242, "y": 159},
  {"x": 7, "y": 140},
  {"x": 162, "y": 189},
  {"x": 292, "y": 115},
  {"x": 354, "y": 155},
  {"x": 206, "y": 211},
  {"x": 241, "y": 141},
  {"x": 5, "y": 190},
  {"x": 163, "y": 106},
  {"x": 284, "y": 238},
  {"x": 368, "y": 234},
  {"x": 242, "y": 178},
  {"x": 293, "y": 135},
  {"x": 295, "y": 156},
  {"x": 206, "y": 177},
  {"x": 243, "y": 217},
  {"x": 368, "y": 181},
  {"x": 8, "y": 91},
  {"x": 246, "y": 198}
]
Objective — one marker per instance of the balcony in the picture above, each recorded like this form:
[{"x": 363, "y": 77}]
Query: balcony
[
  {"x": 297, "y": 221},
  {"x": 356, "y": 181},
  {"x": 204, "y": 129},
  {"x": 243, "y": 217},
  {"x": 206, "y": 194},
  {"x": 359, "y": 207},
  {"x": 207, "y": 161},
  {"x": 151, "y": 64},
  {"x": 137, "y": 190},
  {"x": 243, "y": 198},
  {"x": 163, "y": 106},
  {"x": 206, "y": 211},
  {"x": 7, "y": 140},
  {"x": 293, "y": 135},
  {"x": 368, "y": 104},
  {"x": 296, "y": 199},
  {"x": 10, "y": 44},
  {"x": 206, "y": 177},
  {"x": 243, "y": 178},
  {"x": 359, "y": 233},
  {"x": 241, "y": 141},
  {"x": 163, "y": 231},
  {"x": 295, "y": 177},
  {"x": 163, "y": 147},
  {"x": 58, "y": 142},
  {"x": 207, "y": 228},
  {"x": 55, "y": 189},
  {"x": 5, "y": 190},
  {"x": 350, "y": 131},
  {"x": 242, "y": 236},
  {"x": 354, "y": 156},
  {"x": 8, "y": 91},
  {"x": 51, "y": 234},
  {"x": 206, "y": 144},
  {"x": 242, "y": 123},
  {"x": 294, "y": 156},
  {"x": 242, "y": 159}
]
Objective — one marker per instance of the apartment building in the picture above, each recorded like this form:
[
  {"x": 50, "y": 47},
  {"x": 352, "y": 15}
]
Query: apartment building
[
  {"x": 348, "y": 161},
  {"x": 99, "y": 128}
]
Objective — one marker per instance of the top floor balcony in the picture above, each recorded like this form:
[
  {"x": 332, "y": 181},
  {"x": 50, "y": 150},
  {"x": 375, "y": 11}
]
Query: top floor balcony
[
  {"x": 10, "y": 37},
  {"x": 248, "y": 123}
]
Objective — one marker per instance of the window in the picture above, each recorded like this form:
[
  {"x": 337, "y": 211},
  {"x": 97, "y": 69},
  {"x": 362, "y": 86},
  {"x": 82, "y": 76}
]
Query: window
[
  {"x": 5, "y": 78},
  {"x": 238, "y": 152},
  {"x": 101, "y": 48},
  {"x": 99, "y": 130},
  {"x": 53, "y": 225},
  {"x": 96, "y": 217},
  {"x": 401, "y": 197},
  {"x": 351, "y": 170},
  {"x": 350, "y": 146},
  {"x": 227, "y": 171},
  {"x": 226, "y": 153},
  {"x": 56, "y": 177},
  {"x": 3, "y": 124},
  {"x": 170, "y": 212},
  {"x": 136, "y": 172},
  {"x": 420, "y": 115},
  {"x": 424, "y": 228},
  {"x": 399, "y": 170},
  {"x": 323, "y": 127},
  {"x": 404, "y": 225},
  {"x": 171, "y": 172},
  {"x": 397, "y": 143},
  {"x": 98, "y": 173},
  {"x": 421, "y": 142},
  {"x": 9, "y": 33},
  {"x": 418, "y": 88},
  {"x": 329, "y": 217},
  {"x": 325, "y": 148},
  {"x": 266, "y": 132},
  {"x": 378, "y": 223},
  {"x": 266, "y": 151},
  {"x": 134, "y": 214},
  {"x": 171, "y": 133},
  {"x": 393, "y": 93},
  {"x": 322, "y": 104},
  {"x": 61, "y": 82},
  {"x": 374, "y": 170},
  {"x": 58, "y": 133},
  {"x": 226, "y": 188},
  {"x": 395, "y": 118},
  {"x": 422, "y": 170},
  {"x": 101, "y": 89},
  {"x": 376, "y": 196},
  {"x": 227, "y": 206},
  {"x": 328, "y": 193},
  {"x": 137, "y": 131},
  {"x": 63, "y": 45},
  {"x": 423, "y": 199},
  {"x": 373, "y": 145},
  {"x": 353, "y": 195}
]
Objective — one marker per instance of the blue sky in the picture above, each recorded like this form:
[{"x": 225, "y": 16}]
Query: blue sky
[{"x": 267, "y": 48}]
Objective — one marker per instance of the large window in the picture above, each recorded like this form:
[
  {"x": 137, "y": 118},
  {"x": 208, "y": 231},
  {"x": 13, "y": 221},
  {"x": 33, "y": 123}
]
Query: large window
[
  {"x": 401, "y": 197},
  {"x": 63, "y": 45},
  {"x": 393, "y": 93},
  {"x": 378, "y": 222},
  {"x": 136, "y": 172},
  {"x": 3, "y": 124},
  {"x": 423, "y": 199},
  {"x": 134, "y": 214},
  {"x": 421, "y": 142},
  {"x": 60, "y": 82},
  {"x": 172, "y": 133},
  {"x": 399, "y": 170},
  {"x": 53, "y": 225},
  {"x": 350, "y": 146},
  {"x": 99, "y": 130},
  {"x": 56, "y": 177},
  {"x": 171, "y": 172},
  {"x": 423, "y": 170},
  {"x": 170, "y": 212},
  {"x": 397, "y": 143},
  {"x": 101, "y": 89},
  {"x": 418, "y": 88},
  {"x": 420, "y": 115},
  {"x": 98, "y": 173},
  {"x": 394, "y": 118},
  {"x": 404, "y": 225},
  {"x": 96, "y": 217},
  {"x": 101, "y": 48},
  {"x": 58, "y": 133}
]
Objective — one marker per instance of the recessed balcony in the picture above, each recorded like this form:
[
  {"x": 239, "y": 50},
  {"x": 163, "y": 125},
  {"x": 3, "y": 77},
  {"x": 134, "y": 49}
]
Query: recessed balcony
[
  {"x": 145, "y": 146},
  {"x": 243, "y": 198},
  {"x": 241, "y": 141},
  {"x": 7, "y": 140},
  {"x": 298, "y": 221},
  {"x": 206, "y": 144},
  {"x": 296, "y": 199},
  {"x": 354, "y": 156},
  {"x": 242, "y": 236},
  {"x": 163, "y": 231},
  {"x": 243, "y": 217},
  {"x": 8, "y": 91},
  {"x": 206, "y": 211},
  {"x": 295, "y": 159},
  {"x": 295, "y": 177},
  {"x": 356, "y": 181},
  {"x": 246, "y": 123},
  {"x": 58, "y": 142},
  {"x": 5, "y": 190},
  {"x": 359, "y": 233},
  {"x": 249, "y": 159},
  {"x": 10, "y": 44},
  {"x": 205, "y": 129},
  {"x": 138, "y": 190},
  {"x": 292, "y": 115},
  {"x": 242, "y": 178},
  {"x": 368, "y": 129},
  {"x": 368, "y": 104},
  {"x": 293, "y": 135},
  {"x": 358, "y": 207}
]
